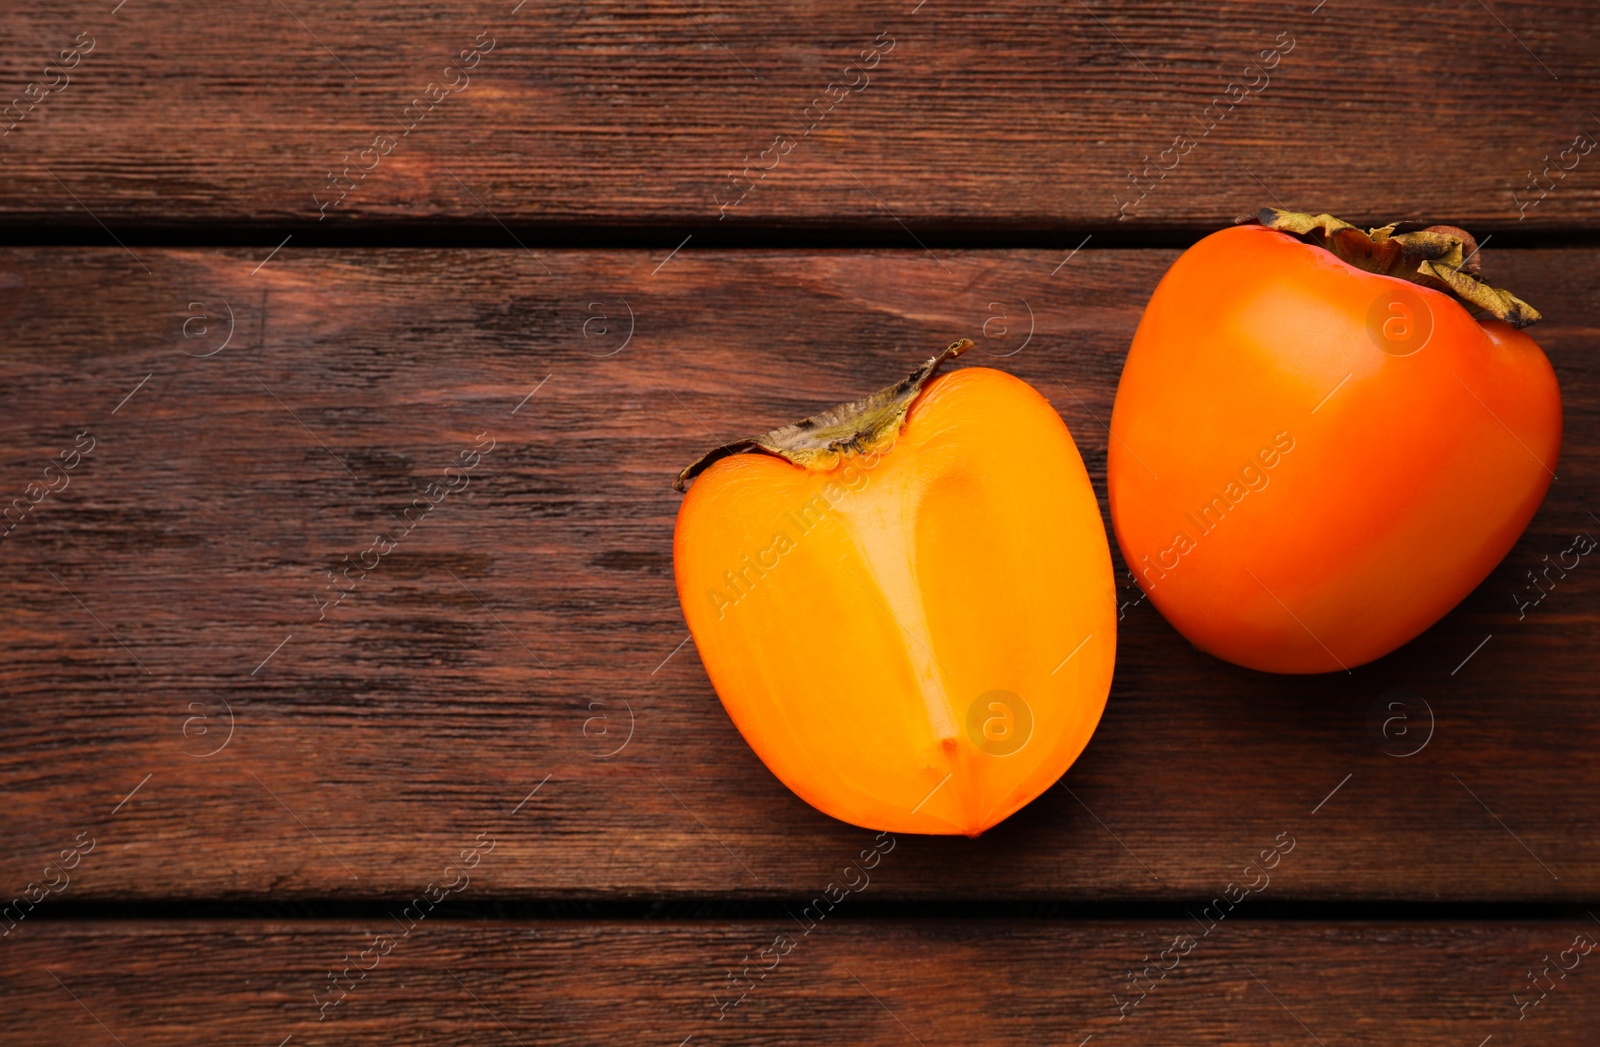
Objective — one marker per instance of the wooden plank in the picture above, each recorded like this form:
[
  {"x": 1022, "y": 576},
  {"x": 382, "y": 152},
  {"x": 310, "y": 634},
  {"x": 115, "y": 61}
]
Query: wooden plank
[
  {"x": 518, "y": 664},
  {"x": 1015, "y": 117},
  {"x": 871, "y": 982}
]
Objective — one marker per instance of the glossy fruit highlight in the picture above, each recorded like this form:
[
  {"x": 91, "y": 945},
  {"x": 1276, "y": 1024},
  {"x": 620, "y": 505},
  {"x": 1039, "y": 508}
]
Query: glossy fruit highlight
[
  {"x": 905, "y": 603},
  {"x": 1317, "y": 450}
]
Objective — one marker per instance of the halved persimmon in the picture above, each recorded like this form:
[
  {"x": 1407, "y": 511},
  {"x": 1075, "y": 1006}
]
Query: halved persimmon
[{"x": 905, "y": 603}]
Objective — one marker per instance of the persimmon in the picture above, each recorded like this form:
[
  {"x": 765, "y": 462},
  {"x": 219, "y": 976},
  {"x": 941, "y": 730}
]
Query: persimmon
[
  {"x": 1317, "y": 450},
  {"x": 905, "y": 603}
]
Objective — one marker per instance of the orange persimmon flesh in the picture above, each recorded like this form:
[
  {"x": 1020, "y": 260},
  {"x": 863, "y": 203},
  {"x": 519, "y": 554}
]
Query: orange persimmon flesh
[{"x": 851, "y": 617}]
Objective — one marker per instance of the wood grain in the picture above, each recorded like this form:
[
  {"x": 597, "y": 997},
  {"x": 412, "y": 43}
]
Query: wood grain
[
  {"x": 484, "y": 675},
  {"x": 1017, "y": 116},
  {"x": 869, "y": 982}
]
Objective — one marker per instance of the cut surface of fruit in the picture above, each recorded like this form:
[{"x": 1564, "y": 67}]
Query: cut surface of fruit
[{"x": 920, "y": 638}]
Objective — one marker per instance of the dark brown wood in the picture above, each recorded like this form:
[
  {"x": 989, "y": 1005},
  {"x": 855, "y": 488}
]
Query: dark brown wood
[
  {"x": 512, "y": 637},
  {"x": 504, "y": 712},
  {"x": 1014, "y": 116},
  {"x": 895, "y": 983}
]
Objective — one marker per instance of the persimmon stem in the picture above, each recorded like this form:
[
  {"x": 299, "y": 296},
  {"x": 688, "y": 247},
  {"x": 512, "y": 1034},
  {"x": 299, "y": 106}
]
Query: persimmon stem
[
  {"x": 857, "y": 427},
  {"x": 1441, "y": 257}
]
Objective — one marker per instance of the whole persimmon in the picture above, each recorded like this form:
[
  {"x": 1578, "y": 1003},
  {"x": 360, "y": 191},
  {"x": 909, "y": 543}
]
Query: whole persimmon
[
  {"x": 1317, "y": 450},
  {"x": 904, "y": 602}
]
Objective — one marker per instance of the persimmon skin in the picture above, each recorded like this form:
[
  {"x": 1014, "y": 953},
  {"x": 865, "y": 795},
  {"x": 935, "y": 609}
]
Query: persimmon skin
[
  {"x": 1414, "y": 466},
  {"x": 968, "y": 558}
]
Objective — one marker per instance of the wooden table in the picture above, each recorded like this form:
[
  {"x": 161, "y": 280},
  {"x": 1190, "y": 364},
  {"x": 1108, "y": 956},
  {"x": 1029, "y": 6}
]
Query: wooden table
[{"x": 271, "y": 269}]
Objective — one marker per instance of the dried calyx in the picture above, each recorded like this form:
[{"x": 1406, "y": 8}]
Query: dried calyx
[
  {"x": 1441, "y": 257},
  {"x": 857, "y": 427}
]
